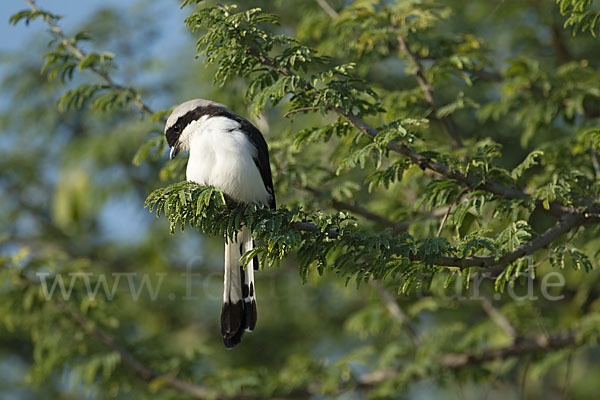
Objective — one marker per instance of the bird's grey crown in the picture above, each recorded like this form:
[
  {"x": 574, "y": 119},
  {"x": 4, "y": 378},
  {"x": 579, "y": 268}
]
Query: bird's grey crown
[
  {"x": 190, "y": 111},
  {"x": 188, "y": 106}
]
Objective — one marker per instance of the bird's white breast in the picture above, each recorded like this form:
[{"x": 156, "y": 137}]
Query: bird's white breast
[{"x": 222, "y": 156}]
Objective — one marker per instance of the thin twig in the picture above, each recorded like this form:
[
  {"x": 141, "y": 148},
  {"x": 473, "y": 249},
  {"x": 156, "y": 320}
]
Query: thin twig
[
  {"x": 486, "y": 75},
  {"x": 445, "y": 219},
  {"x": 595, "y": 162},
  {"x": 562, "y": 51},
  {"x": 328, "y": 9},
  {"x": 457, "y": 199},
  {"x": 221, "y": 5},
  {"x": 498, "y": 318},
  {"x": 521, "y": 346},
  {"x": 522, "y": 379},
  {"x": 397, "y": 226},
  {"x": 454, "y": 361},
  {"x": 301, "y": 109},
  {"x": 568, "y": 376},
  {"x": 395, "y": 311},
  {"x": 447, "y": 121}
]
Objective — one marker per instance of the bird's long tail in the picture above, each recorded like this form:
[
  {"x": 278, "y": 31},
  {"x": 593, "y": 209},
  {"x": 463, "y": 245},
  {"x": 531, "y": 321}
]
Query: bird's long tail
[{"x": 239, "y": 296}]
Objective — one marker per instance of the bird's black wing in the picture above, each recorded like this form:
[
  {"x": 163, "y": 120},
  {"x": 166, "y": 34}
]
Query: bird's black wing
[
  {"x": 256, "y": 138},
  {"x": 262, "y": 158}
]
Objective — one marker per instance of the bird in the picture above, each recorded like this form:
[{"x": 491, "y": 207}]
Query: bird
[{"x": 228, "y": 152}]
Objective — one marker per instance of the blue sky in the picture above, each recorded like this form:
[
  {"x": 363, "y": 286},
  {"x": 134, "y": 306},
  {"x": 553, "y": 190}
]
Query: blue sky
[
  {"x": 12, "y": 37},
  {"x": 172, "y": 38},
  {"x": 172, "y": 35},
  {"x": 75, "y": 11}
]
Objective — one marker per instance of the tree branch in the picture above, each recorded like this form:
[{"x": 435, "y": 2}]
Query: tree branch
[
  {"x": 565, "y": 224},
  {"x": 569, "y": 217},
  {"x": 81, "y": 55},
  {"x": 139, "y": 369},
  {"x": 301, "y": 109},
  {"x": 447, "y": 122},
  {"x": 135, "y": 366},
  {"x": 471, "y": 180},
  {"x": 397, "y": 226},
  {"x": 524, "y": 345},
  {"x": 498, "y": 318},
  {"x": 391, "y": 303},
  {"x": 328, "y": 9},
  {"x": 455, "y": 361}
]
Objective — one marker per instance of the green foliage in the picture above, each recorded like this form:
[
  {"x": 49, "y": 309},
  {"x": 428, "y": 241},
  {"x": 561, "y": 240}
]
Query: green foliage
[
  {"x": 581, "y": 15},
  {"x": 577, "y": 259},
  {"x": 531, "y": 160},
  {"x": 394, "y": 229},
  {"x": 320, "y": 241},
  {"x": 152, "y": 148},
  {"x": 30, "y": 15},
  {"x": 240, "y": 47}
]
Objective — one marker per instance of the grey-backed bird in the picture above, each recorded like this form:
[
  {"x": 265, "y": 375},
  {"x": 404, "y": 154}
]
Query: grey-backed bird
[{"x": 228, "y": 152}]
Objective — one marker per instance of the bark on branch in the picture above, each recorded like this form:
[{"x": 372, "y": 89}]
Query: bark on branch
[
  {"x": 565, "y": 224},
  {"x": 454, "y": 361}
]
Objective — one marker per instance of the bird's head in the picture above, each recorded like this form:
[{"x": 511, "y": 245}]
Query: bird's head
[{"x": 185, "y": 119}]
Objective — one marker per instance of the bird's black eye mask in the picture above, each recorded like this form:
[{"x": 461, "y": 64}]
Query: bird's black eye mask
[{"x": 172, "y": 134}]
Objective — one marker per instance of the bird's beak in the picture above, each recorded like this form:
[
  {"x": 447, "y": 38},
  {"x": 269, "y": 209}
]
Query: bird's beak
[{"x": 174, "y": 150}]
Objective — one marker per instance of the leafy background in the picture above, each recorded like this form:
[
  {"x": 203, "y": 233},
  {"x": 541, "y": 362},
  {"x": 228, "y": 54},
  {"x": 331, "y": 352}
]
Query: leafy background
[{"x": 500, "y": 89}]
